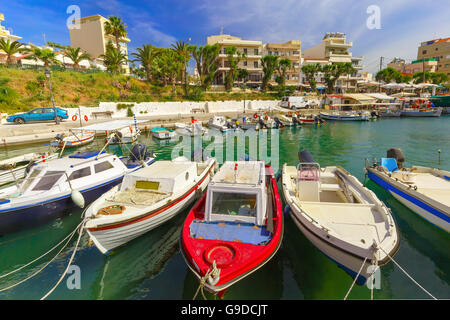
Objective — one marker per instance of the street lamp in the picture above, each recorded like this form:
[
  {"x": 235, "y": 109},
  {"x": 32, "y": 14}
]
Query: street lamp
[{"x": 47, "y": 74}]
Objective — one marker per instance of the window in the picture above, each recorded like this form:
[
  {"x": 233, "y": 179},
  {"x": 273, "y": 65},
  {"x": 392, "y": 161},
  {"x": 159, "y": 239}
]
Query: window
[
  {"x": 102, "y": 166},
  {"x": 77, "y": 174},
  {"x": 256, "y": 52},
  {"x": 424, "y": 51},
  {"x": 255, "y": 64},
  {"x": 245, "y": 50},
  {"x": 36, "y": 111},
  {"x": 234, "y": 204},
  {"x": 48, "y": 180},
  {"x": 30, "y": 178},
  {"x": 245, "y": 63}
]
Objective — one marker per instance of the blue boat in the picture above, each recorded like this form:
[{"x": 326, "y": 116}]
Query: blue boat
[
  {"x": 426, "y": 191},
  {"x": 54, "y": 188},
  {"x": 344, "y": 116}
]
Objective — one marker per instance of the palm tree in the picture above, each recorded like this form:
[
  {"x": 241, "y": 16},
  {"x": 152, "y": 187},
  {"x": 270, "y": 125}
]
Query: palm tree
[
  {"x": 234, "y": 57},
  {"x": 76, "y": 56},
  {"x": 116, "y": 28},
  {"x": 169, "y": 67},
  {"x": 10, "y": 48},
  {"x": 47, "y": 56},
  {"x": 113, "y": 59},
  {"x": 269, "y": 64},
  {"x": 145, "y": 56},
  {"x": 348, "y": 69},
  {"x": 439, "y": 77},
  {"x": 183, "y": 52}
]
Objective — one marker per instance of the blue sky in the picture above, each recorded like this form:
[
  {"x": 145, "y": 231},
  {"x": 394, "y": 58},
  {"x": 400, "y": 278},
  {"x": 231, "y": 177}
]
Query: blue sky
[{"x": 404, "y": 23}]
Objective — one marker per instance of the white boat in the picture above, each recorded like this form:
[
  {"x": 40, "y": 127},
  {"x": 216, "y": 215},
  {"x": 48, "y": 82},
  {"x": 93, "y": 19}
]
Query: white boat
[
  {"x": 76, "y": 139},
  {"x": 54, "y": 188},
  {"x": 163, "y": 133},
  {"x": 344, "y": 116},
  {"x": 341, "y": 217},
  {"x": 16, "y": 168},
  {"x": 145, "y": 199},
  {"x": 220, "y": 123},
  {"x": 426, "y": 191},
  {"x": 193, "y": 129}
]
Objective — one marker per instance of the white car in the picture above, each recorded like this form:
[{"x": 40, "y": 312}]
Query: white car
[{"x": 294, "y": 102}]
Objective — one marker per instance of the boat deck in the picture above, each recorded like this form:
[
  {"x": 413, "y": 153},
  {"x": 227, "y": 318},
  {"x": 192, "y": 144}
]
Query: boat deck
[{"x": 433, "y": 187}]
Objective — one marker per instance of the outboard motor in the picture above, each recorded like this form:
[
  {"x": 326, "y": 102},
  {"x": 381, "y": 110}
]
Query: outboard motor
[
  {"x": 262, "y": 123},
  {"x": 397, "y": 154},
  {"x": 139, "y": 152},
  {"x": 374, "y": 114},
  {"x": 305, "y": 157},
  {"x": 295, "y": 121},
  {"x": 278, "y": 122},
  {"x": 230, "y": 125},
  {"x": 59, "y": 136},
  {"x": 199, "y": 155}
]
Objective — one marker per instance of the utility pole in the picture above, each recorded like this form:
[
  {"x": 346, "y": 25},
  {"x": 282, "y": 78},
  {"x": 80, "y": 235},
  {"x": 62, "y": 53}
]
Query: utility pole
[{"x": 381, "y": 66}]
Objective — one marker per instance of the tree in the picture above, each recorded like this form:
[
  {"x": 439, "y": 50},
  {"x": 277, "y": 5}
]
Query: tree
[
  {"x": 310, "y": 71},
  {"x": 332, "y": 72},
  {"x": 242, "y": 74},
  {"x": 206, "y": 59},
  {"x": 269, "y": 64},
  {"x": 116, "y": 28},
  {"x": 439, "y": 78},
  {"x": 145, "y": 56},
  {"x": 183, "y": 52},
  {"x": 234, "y": 56},
  {"x": 76, "y": 56},
  {"x": 10, "y": 48},
  {"x": 387, "y": 75},
  {"x": 168, "y": 67},
  {"x": 113, "y": 59},
  {"x": 283, "y": 66},
  {"x": 47, "y": 56}
]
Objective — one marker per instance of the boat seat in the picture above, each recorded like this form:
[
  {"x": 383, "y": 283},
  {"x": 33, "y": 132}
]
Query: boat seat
[
  {"x": 390, "y": 164},
  {"x": 330, "y": 187}
]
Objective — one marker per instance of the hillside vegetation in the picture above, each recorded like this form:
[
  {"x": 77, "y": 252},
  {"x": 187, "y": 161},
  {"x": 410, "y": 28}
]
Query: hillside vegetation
[{"x": 22, "y": 90}]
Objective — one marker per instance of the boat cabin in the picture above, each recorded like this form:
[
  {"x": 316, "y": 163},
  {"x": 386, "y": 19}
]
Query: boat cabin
[
  {"x": 80, "y": 169},
  {"x": 237, "y": 193}
]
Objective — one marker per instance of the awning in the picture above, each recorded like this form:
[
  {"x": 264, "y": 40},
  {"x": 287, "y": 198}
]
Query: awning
[
  {"x": 380, "y": 96},
  {"x": 358, "y": 96},
  {"x": 110, "y": 125}
]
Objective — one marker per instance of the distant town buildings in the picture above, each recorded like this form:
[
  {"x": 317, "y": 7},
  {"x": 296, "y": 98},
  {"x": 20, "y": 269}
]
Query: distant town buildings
[
  {"x": 6, "y": 34},
  {"x": 334, "y": 48},
  {"x": 438, "y": 49},
  {"x": 289, "y": 50},
  {"x": 91, "y": 38}
]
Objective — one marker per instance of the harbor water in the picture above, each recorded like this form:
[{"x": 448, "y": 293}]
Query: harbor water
[{"x": 152, "y": 267}]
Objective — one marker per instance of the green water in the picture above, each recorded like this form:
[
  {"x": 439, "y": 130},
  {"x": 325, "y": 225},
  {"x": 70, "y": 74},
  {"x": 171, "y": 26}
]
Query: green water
[{"x": 151, "y": 267}]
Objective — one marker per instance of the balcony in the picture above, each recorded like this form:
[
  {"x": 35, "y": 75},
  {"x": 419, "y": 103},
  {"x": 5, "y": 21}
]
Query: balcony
[{"x": 335, "y": 44}]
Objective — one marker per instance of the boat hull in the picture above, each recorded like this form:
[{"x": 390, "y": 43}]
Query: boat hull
[
  {"x": 249, "y": 257},
  {"x": 413, "y": 200},
  {"x": 112, "y": 236},
  {"x": 18, "y": 219},
  {"x": 342, "y": 118},
  {"x": 433, "y": 113}
]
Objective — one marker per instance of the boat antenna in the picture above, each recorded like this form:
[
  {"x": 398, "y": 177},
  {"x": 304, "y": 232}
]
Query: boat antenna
[{"x": 439, "y": 158}]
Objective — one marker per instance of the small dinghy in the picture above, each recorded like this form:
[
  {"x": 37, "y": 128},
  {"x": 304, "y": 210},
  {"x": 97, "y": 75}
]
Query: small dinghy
[
  {"x": 341, "y": 217},
  {"x": 220, "y": 123},
  {"x": 163, "y": 133},
  {"x": 310, "y": 119},
  {"x": 145, "y": 199},
  {"x": 76, "y": 139},
  {"x": 426, "y": 191},
  {"x": 55, "y": 188},
  {"x": 236, "y": 227},
  {"x": 16, "y": 168},
  {"x": 345, "y": 116},
  {"x": 192, "y": 130}
]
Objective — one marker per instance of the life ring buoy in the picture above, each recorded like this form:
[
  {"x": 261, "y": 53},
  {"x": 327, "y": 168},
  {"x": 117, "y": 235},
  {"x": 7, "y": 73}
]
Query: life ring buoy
[
  {"x": 266, "y": 118},
  {"x": 74, "y": 117},
  {"x": 255, "y": 116},
  {"x": 86, "y": 118},
  {"x": 289, "y": 114},
  {"x": 131, "y": 129}
]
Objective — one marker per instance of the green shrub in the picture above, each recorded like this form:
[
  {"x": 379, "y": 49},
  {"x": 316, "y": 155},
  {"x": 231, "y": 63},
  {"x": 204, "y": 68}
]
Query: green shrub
[{"x": 130, "y": 112}]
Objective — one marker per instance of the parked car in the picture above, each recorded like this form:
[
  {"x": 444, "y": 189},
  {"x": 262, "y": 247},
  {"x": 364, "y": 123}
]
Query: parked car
[{"x": 38, "y": 114}]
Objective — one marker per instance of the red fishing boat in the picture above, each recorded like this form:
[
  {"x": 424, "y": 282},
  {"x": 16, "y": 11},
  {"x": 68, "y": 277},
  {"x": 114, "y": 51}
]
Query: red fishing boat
[{"x": 235, "y": 228}]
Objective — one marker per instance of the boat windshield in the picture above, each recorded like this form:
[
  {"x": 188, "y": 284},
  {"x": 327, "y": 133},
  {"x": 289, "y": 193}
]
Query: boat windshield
[
  {"x": 29, "y": 180},
  {"x": 48, "y": 180},
  {"x": 233, "y": 204}
]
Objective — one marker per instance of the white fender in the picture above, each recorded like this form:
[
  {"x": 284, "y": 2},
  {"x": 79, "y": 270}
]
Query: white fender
[{"x": 77, "y": 198}]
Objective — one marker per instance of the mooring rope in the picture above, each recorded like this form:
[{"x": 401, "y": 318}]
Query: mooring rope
[
  {"x": 45, "y": 265},
  {"x": 412, "y": 279},
  {"x": 354, "y": 280},
  {"x": 81, "y": 228},
  {"x": 211, "y": 270}
]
